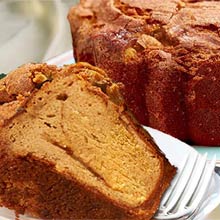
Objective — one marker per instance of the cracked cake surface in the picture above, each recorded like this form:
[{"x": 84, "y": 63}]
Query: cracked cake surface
[
  {"x": 69, "y": 149},
  {"x": 166, "y": 53}
]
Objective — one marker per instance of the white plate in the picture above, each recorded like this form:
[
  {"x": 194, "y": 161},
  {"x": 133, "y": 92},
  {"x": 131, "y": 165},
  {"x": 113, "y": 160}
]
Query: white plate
[{"x": 176, "y": 151}]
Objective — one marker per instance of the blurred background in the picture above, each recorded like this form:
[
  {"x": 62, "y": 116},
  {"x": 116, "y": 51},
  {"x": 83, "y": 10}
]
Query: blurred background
[{"x": 33, "y": 31}]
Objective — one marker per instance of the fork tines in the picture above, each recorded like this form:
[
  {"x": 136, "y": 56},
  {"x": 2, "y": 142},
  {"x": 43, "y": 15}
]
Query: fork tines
[{"x": 185, "y": 195}]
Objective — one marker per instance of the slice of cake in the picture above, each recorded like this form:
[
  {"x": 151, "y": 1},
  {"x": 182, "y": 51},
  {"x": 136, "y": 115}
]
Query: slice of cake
[{"x": 69, "y": 149}]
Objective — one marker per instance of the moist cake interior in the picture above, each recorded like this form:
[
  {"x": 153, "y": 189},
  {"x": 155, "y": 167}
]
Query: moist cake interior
[{"x": 80, "y": 131}]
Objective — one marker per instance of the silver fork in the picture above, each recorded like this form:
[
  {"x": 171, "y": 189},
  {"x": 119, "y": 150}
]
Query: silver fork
[{"x": 185, "y": 195}]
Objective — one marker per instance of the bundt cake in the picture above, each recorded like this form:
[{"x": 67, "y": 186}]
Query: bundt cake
[
  {"x": 69, "y": 149},
  {"x": 165, "y": 52}
]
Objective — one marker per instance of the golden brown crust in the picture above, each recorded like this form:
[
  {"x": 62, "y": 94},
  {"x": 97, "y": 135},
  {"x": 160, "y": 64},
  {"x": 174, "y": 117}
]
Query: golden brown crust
[{"x": 17, "y": 87}]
